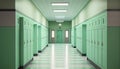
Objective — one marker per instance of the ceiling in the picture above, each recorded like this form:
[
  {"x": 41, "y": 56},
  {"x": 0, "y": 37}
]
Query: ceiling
[{"x": 74, "y": 7}]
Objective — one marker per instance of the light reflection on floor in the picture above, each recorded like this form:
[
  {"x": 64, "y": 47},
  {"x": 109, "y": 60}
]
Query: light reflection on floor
[{"x": 59, "y": 56}]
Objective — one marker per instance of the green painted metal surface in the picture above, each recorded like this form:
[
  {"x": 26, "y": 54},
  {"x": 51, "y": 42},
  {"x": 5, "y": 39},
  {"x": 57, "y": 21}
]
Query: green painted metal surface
[
  {"x": 35, "y": 37},
  {"x": 30, "y": 37},
  {"x": 73, "y": 37},
  {"x": 96, "y": 40},
  {"x": 103, "y": 41},
  {"x": 84, "y": 32},
  {"x": 26, "y": 41},
  {"x": 81, "y": 38},
  {"x": 39, "y": 38},
  {"x": 59, "y": 36},
  {"x": 44, "y": 37}
]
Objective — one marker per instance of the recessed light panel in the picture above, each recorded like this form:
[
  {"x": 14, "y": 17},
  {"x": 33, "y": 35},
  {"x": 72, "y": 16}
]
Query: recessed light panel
[
  {"x": 59, "y": 17},
  {"x": 59, "y": 10},
  {"x": 60, "y": 4},
  {"x": 59, "y": 21}
]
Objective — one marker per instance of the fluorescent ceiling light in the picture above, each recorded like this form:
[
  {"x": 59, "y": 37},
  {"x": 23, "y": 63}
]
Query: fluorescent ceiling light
[
  {"x": 59, "y": 17},
  {"x": 59, "y": 10},
  {"x": 60, "y": 4},
  {"x": 59, "y": 21}
]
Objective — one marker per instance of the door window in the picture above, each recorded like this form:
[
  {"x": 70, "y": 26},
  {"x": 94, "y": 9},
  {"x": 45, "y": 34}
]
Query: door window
[
  {"x": 53, "y": 34},
  {"x": 66, "y": 33}
]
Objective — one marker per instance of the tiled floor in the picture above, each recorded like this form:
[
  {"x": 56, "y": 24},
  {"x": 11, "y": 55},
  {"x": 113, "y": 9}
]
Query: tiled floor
[{"x": 59, "y": 56}]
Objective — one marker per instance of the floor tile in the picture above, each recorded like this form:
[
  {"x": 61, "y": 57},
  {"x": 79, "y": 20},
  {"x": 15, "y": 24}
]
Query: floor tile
[{"x": 60, "y": 56}]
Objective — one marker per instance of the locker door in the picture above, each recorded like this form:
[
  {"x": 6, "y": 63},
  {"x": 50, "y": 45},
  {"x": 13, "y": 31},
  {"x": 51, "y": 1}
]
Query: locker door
[
  {"x": 21, "y": 40},
  {"x": 75, "y": 36},
  {"x": 95, "y": 43},
  {"x": 26, "y": 39},
  {"x": 90, "y": 43},
  {"x": 104, "y": 45},
  {"x": 39, "y": 38},
  {"x": 92, "y": 46},
  {"x": 83, "y": 36},
  {"x": 31, "y": 40},
  {"x": 35, "y": 46},
  {"x": 87, "y": 43},
  {"x": 95, "y": 39}
]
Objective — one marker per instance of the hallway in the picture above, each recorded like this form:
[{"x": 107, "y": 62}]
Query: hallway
[
  {"x": 60, "y": 56},
  {"x": 59, "y": 34}
]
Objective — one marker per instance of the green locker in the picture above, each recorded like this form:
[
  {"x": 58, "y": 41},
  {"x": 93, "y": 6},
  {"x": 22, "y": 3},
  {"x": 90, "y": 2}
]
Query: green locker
[
  {"x": 44, "y": 37},
  {"x": 24, "y": 42},
  {"x": 95, "y": 45},
  {"x": 74, "y": 36},
  {"x": 35, "y": 41},
  {"x": 39, "y": 38},
  {"x": 90, "y": 52},
  {"x": 25, "y": 39},
  {"x": 97, "y": 49},
  {"x": 104, "y": 64},
  {"x": 84, "y": 31},
  {"x": 81, "y": 38},
  {"x": 88, "y": 44},
  {"x": 31, "y": 41},
  {"x": 102, "y": 41}
]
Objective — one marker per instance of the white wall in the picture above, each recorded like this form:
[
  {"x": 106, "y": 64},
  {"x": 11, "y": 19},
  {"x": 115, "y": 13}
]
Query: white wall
[
  {"x": 27, "y": 7},
  {"x": 94, "y": 7}
]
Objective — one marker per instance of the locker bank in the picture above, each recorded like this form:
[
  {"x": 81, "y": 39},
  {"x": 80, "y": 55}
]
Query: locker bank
[{"x": 60, "y": 34}]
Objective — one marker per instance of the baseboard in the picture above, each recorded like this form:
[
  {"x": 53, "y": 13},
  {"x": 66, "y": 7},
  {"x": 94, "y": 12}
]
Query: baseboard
[
  {"x": 35, "y": 54},
  {"x": 43, "y": 49},
  {"x": 96, "y": 66},
  {"x": 23, "y": 67},
  {"x": 47, "y": 45},
  {"x": 81, "y": 53},
  {"x": 39, "y": 51},
  {"x": 73, "y": 46}
]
